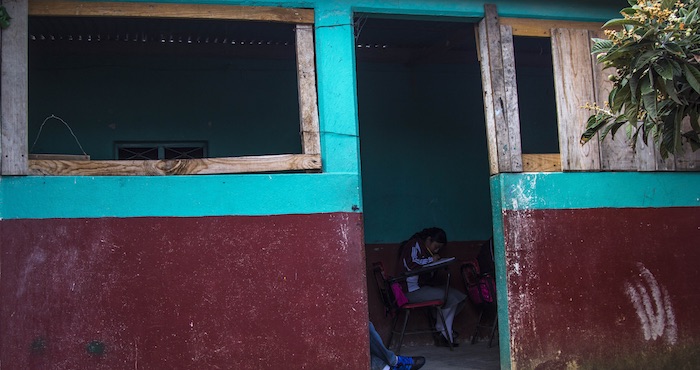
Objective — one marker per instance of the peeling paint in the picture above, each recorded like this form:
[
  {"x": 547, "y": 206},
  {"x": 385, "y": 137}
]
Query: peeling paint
[
  {"x": 520, "y": 256},
  {"x": 522, "y": 193},
  {"x": 213, "y": 292}
]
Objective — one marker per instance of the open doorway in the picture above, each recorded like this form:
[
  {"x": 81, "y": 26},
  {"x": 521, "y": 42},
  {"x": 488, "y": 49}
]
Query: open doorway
[{"x": 422, "y": 143}]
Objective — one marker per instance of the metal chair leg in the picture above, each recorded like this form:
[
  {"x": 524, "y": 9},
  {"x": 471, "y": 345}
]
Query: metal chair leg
[
  {"x": 493, "y": 331},
  {"x": 403, "y": 330},
  {"x": 393, "y": 330},
  {"x": 444, "y": 325},
  {"x": 478, "y": 325}
]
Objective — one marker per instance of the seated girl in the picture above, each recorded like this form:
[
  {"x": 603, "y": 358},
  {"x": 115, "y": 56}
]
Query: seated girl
[{"x": 421, "y": 249}]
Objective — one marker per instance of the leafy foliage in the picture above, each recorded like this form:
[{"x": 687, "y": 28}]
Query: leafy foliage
[
  {"x": 656, "y": 53},
  {"x": 4, "y": 18}
]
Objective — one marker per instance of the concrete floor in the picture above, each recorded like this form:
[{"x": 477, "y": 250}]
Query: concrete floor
[{"x": 477, "y": 356}]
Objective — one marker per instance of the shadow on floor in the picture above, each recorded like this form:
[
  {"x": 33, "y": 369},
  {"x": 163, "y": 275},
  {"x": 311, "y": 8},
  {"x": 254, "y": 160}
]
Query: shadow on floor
[{"x": 477, "y": 356}]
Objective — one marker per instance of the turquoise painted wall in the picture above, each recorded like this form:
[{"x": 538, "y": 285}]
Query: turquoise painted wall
[
  {"x": 558, "y": 190},
  {"x": 337, "y": 189}
]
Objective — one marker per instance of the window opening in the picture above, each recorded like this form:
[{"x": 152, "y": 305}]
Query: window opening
[
  {"x": 536, "y": 98},
  {"x": 245, "y": 83}
]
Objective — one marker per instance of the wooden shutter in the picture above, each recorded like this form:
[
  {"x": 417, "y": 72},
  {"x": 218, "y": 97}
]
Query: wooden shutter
[
  {"x": 579, "y": 79},
  {"x": 14, "y": 94},
  {"x": 574, "y": 87},
  {"x": 500, "y": 93}
]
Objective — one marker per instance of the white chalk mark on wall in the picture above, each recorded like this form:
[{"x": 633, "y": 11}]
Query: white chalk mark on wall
[{"x": 653, "y": 305}]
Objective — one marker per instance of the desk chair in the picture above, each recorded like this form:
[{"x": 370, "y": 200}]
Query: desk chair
[{"x": 384, "y": 283}]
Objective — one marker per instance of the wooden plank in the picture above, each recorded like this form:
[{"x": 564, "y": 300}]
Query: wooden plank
[
  {"x": 615, "y": 154},
  {"x": 163, "y": 10},
  {"x": 14, "y": 90},
  {"x": 687, "y": 160},
  {"x": 650, "y": 159},
  {"x": 488, "y": 98},
  {"x": 62, "y": 157},
  {"x": 511, "y": 98},
  {"x": 308, "y": 100},
  {"x": 504, "y": 154},
  {"x": 645, "y": 157},
  {"x": 269, "y": 163},
  {"x": 542, "y": 162},
  {"x": 543, "y": 27},
  {"x": 573, "y": 85}
]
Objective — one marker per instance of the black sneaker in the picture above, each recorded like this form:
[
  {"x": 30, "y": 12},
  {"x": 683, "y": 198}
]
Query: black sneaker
[
  {"x": 441, "y": 341},
  {"x": 409, "y": 363}
]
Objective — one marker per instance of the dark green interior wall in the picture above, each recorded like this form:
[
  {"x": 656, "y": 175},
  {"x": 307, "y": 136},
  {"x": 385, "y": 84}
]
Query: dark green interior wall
[
  {"x": 423, "y": 150},
  {"x": 536, "y": 98},
  {"x": 538, "y": 116},
  {"x": 238, "y": 106}
]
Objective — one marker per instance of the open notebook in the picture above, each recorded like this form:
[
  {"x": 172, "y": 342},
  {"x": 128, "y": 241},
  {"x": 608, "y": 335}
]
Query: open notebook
[{"x": 440, "y": 261}]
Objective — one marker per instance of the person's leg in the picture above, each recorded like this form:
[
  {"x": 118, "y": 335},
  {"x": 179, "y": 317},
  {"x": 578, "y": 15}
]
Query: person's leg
[
  {"x": 449, "y": 314},
  {"x": 455, "y": 297},
  {"x": 377, "y": 363},
  {"x": 382, "y": 358},
  {"x": 429, "y": 293},
  {"x": 455, "y": 302},
  {"x": 377, "y": 347}
]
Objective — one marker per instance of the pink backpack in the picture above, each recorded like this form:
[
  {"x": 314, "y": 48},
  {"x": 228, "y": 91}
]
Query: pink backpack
[
  {"x": 398, "y": 294},
  {"x": 480, "y": 287}
]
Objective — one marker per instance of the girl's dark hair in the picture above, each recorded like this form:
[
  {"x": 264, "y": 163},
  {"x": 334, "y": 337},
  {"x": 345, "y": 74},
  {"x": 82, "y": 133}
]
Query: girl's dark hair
[{"x": 437, "y": 234}]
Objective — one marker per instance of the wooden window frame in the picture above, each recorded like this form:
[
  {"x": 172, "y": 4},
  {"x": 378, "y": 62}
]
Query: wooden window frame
[
  {"x": 539, "y": 28},
  {"x": 586, "y": 80},
  {"x": 15, "y": 159}
]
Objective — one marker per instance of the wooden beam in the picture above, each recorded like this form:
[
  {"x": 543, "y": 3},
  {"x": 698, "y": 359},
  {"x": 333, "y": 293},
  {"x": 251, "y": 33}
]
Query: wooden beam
[
  {"x": 304, "y": 18},
  {"x": 487, "y": 90},
  {"x": 616, "y": 153},
  {"x": 207, "y": 166},
  {"x": 495, "y": 45},
  {"x": 512, "y": 111},
  {"x": 14, "y": 90},
  {"x": 61, "y": 157},
  {"x": 542, "y": 162},
  {"x": 573, "y": 86},
  {"x": 687, "y": 159},
  {"x": 58, "y": 8},
  {"x": 308, "y": 100},
  {"x": 543, "y": 27}
]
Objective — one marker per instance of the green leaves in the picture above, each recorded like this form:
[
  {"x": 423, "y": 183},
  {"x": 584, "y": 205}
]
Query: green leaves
[
  {"x": 667, "y": 4},
  {"x": 693, "y": 76},
  {"x": 621, "y": 22},
  {"x": 656, "y": 52},
  {"x": 601, "y": 45},
  {"x": 4, "y": 18}
]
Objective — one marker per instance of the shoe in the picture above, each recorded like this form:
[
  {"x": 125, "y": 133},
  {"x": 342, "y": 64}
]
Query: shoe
[
  {"x": 441, "y": 341},
  {"x": 409, "y": 363}
]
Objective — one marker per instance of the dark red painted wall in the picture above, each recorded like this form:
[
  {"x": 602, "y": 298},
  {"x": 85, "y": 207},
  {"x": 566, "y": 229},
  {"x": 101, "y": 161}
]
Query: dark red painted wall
[
  {"x": 184, "y": 293},
  {"x": 603, "y": 286}
]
